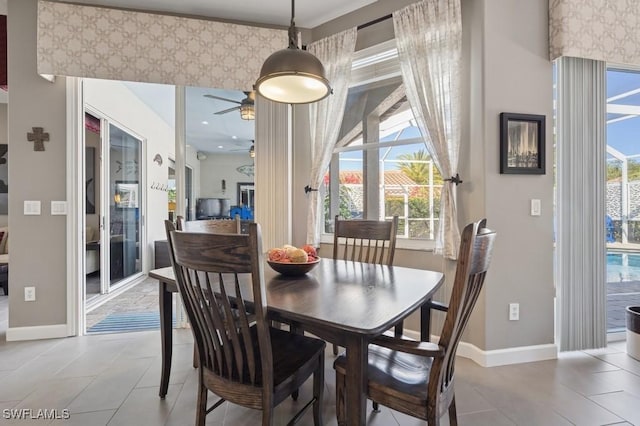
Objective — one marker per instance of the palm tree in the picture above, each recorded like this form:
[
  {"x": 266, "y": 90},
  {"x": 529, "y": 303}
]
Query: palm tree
[{"x": 416, "y": 168}]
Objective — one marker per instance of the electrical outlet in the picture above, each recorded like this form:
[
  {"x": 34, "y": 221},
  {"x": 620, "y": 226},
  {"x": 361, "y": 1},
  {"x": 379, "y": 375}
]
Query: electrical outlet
[
  {"x": 29, "y": 294},
  {"x": 514, "y": 311}
]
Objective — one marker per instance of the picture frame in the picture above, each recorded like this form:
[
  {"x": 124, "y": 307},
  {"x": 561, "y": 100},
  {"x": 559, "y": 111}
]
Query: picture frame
[
  {"x": 127, "y": 194},
  {"x": 522, "y": 144}
]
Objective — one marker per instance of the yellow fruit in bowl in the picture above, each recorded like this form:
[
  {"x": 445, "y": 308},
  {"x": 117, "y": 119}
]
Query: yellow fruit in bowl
[{"x": 298, "y": 256}]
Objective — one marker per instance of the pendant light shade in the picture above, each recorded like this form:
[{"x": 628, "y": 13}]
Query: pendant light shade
[{"x": 292, "y": 75}]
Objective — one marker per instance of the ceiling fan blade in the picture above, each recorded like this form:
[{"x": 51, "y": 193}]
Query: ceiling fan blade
[
  {"x": 221, "y": 99},
  {"x": 224, "y": 111}
]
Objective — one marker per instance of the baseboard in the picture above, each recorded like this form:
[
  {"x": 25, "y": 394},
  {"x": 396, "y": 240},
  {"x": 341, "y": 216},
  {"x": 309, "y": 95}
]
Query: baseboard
[
  {"x": 497, "y": 357},
  {"x": 37, "y": 332}
]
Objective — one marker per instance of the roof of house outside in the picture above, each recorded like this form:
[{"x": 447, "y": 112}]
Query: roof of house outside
[{"x": 391, "y": 177}]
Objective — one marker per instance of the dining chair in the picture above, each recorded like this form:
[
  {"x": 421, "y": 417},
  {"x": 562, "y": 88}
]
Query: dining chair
[
  {"x": 367, "y": 241},
  {"x": 241, "y": 358},
  {"x": 213, "y": 226},
  {"x": 417, "y": 378},
  {"x": 216, "y": 226}
]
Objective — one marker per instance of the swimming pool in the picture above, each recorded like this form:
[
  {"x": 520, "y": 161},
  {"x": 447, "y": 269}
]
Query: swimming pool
[{"x": 623, "y": 267}]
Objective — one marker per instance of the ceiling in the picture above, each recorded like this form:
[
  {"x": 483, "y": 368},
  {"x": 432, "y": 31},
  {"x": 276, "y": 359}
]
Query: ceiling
[
  {"x": 207, "y": 132},
  {"x": 309, "y": 14}
]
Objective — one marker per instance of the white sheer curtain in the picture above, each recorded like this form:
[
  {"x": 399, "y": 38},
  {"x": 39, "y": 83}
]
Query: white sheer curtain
[
  {"x": 581, "y": 170},
  {"x": 335, "y": 53},
  {"x": 429, "y": 40}
]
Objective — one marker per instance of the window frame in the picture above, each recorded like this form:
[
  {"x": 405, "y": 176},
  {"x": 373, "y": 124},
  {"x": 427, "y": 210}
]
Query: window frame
[{"x": 370, "y": 66}]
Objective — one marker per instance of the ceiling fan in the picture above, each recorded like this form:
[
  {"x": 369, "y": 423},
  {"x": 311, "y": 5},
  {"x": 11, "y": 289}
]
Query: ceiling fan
[
  {"x": 246, "y": 106},
  {"x": 251, "y": 151}
]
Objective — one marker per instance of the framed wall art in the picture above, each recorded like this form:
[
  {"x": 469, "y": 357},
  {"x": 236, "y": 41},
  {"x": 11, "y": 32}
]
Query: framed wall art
[{"x": 522, "y": 141}]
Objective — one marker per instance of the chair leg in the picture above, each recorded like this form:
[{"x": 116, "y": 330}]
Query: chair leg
[
  {"x": 335, "y": 349},
  {"x": 267, "y": 415},
  {"x": 453, "y": 417},
  {"x": 295, "y": 329},
  {"x": 201, "y": 415},
  {"x": 341, "y": 385},
  {"x": 318, "y": 391}
]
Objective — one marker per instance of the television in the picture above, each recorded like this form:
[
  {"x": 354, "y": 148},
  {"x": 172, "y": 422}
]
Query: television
[{"x": 209, "y": 208}]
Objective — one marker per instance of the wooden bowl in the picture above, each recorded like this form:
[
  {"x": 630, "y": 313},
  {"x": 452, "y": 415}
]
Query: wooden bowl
[{"x": 293, "y": 269}]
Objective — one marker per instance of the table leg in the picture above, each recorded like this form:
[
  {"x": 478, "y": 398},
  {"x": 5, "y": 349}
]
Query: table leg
[
  {"x": 425, "y": 322},
  {"x": 166, "y": 335},
  {"x": 357, "y": 354}
]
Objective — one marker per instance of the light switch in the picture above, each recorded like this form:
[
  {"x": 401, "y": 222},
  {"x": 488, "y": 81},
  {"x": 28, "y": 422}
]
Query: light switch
[
  {"x": 58, "y": 208},
  {"x": 535, "y": 207},
  {"x": 31, "y": 208}
]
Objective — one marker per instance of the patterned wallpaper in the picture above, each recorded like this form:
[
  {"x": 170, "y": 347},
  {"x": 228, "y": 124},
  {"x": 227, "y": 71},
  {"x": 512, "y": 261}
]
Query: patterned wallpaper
[
  {"x": 606, "y": 30},
  {"x": 86, "y": 41}
]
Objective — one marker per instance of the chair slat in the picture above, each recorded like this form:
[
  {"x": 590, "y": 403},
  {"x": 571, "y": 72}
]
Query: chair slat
[{"x": 244, "y": 319}]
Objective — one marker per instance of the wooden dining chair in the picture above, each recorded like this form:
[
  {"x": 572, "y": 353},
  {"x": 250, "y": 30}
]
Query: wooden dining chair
[
  {"x": 417, "y": 378},
  {"x": 215, "y": 226},
  {"x": 367, "y": 241},
  {"x": 241, "y": 358}
]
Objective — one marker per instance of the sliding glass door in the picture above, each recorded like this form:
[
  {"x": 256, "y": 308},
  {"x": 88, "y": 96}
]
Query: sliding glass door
[{"x": 125, "y": 214}]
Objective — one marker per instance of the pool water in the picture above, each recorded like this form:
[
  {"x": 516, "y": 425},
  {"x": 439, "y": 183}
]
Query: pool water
[{"x": 623, "y": 267}]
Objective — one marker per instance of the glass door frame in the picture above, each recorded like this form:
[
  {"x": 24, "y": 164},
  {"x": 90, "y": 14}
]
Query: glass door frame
[{"x": 105, "y": 202}]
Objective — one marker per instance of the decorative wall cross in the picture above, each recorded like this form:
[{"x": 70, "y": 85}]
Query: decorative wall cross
[{"x": 38, "y": 137}]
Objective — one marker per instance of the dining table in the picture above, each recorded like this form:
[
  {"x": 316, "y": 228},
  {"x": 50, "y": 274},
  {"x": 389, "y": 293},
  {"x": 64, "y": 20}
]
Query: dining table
[{"x": 343, "y": 302}]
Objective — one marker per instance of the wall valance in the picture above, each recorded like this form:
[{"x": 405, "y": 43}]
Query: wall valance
[
  {"x": 87, "y": 41},
  {"x": 605, "y": 30}
]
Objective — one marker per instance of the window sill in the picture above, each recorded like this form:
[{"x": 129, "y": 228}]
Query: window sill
[{"x": 401, "y": 243}]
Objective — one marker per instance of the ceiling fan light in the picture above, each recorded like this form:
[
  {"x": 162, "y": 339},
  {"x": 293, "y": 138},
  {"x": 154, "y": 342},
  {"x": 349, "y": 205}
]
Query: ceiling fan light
[{"x": 247, "y": 112}]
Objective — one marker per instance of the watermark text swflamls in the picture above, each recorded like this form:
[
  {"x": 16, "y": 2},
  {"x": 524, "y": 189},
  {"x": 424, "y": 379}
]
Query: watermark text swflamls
[{"x": 40, "y": 414}]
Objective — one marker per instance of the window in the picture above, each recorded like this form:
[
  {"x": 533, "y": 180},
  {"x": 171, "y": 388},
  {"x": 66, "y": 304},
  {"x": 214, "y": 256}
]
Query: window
[
  {"x": 385, "y": 169},
  {"x": 622, "y": 195}
]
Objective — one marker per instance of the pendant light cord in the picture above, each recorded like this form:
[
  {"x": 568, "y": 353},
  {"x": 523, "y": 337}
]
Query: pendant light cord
[{"x": 293, "y": 34}]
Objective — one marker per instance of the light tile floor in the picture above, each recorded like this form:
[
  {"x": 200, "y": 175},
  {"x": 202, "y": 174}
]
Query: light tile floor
[{"x": 113, "y": 379}]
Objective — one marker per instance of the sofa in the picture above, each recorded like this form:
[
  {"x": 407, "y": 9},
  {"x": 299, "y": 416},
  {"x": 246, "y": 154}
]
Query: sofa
[{"x": 4, "y": 260}]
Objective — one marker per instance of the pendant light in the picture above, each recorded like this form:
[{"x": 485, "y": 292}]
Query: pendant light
[{"x": 292, "y": 75}]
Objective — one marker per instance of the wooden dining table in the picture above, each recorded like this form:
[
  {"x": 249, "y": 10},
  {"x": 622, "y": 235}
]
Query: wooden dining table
[{"x": 344, "y": 302}]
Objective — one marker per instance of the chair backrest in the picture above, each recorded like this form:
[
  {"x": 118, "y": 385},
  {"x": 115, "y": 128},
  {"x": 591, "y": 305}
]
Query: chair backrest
[
  {"x": 365, "y": 240},
  {"x": 213, "y": 226},
  {"x": 476, "y": 247},
  {"x": 208, "y": 269}
]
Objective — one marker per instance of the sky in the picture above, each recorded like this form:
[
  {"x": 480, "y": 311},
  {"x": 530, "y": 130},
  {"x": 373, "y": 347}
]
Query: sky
[{"x": 624, "y": 135}]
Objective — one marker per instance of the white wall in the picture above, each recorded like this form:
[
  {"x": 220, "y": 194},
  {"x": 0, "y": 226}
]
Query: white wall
[
  {"x": 223, "y": 166},
  {"x": 508, "y": 70},
  {"x": 38, "y": 243},
  {"x": 115, "y": 101}
]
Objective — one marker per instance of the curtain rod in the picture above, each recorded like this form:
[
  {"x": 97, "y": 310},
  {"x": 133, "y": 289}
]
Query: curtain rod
[{"x": 375, "y": 21}]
